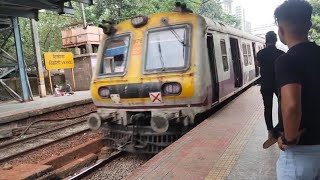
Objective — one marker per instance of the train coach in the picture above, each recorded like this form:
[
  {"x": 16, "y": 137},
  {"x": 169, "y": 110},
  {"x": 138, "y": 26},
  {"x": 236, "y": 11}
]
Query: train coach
[{"x": 155, "y": 74}]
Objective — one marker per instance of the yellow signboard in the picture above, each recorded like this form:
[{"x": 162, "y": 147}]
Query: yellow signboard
[{"x": 58, "y": 60}]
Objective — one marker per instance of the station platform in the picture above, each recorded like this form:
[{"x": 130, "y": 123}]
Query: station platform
[
  {"x": 13, "y": 110},
  {"x": 228, "y": 145}
]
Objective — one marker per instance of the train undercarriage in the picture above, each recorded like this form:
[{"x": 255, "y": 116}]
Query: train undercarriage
[{"x": 145, "y": 132}]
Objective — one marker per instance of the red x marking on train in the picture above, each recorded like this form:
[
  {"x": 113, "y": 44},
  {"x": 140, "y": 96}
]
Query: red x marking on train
[{"x": 156, "y": 97}]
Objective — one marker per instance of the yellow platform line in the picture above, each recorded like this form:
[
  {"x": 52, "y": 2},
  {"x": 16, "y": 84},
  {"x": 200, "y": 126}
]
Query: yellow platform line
[{"x": 223, "y": 167}]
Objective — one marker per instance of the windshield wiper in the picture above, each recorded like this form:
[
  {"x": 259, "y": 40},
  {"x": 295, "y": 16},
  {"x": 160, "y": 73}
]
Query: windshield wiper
[
  {"x": 176, "y": 35},
  {"x": 161, "y": 57}
]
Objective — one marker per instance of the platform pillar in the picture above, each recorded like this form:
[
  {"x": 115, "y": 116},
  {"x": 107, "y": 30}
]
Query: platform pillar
[
  {"x": 26, "y": 95},
  {"x": 38, "y": 59}
]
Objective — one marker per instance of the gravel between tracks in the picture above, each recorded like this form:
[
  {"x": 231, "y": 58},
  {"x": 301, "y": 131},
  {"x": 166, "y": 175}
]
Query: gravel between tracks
[{"x": 120, "y": 167}]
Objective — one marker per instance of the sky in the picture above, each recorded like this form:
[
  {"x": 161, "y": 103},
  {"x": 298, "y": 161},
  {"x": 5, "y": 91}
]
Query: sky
[{"x": 259, "y": 12}]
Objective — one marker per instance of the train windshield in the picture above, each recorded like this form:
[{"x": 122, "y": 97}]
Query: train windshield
[
  {"x": 167, "y": 50},
  {"x": 115, "y": 55}
]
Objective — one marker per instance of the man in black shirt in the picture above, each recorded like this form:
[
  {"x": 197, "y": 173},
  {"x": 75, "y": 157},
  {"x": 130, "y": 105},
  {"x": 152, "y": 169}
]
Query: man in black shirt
[
  {"x": 266, "y": 59},
  {"x": 298, "y": 76}
]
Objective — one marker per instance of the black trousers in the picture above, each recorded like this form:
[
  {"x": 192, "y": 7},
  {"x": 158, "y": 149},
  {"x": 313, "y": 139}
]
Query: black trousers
[{"x": 267, "y": 96}]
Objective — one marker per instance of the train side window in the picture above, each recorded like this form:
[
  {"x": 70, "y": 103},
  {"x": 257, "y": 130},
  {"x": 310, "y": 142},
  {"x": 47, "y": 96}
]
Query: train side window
[
  {"x": 224, "y": 55},
  {"x": 249, "y": 53},
  {"x": 245, "y": 54}
]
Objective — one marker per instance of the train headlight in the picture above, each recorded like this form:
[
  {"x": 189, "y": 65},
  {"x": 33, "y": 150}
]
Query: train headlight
[
  {"x": 139, "y": 21},
  {"x": 173, "y": 88},
  {"x": 104, "y": 92}
]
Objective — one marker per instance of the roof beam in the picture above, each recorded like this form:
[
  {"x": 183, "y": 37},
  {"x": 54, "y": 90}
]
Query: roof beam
[
  {"x": 29, "y": 8},
  {"x": 89, "y": 2},
  {"x": 30, "y": 4},
  {"x": 13, "y": 12},
  {"x": 65, "y": 10}
]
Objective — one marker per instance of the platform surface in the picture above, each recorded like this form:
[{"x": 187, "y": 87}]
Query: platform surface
[
  {"x": 14, "y": 110},
  {"x": 228, "y": 145}
]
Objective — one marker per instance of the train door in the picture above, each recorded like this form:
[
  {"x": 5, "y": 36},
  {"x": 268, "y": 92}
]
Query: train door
[
  {"x": 236, "y": 59},
  {"x": 255, "y": 58},
  {"x": 213, "y": 68}
]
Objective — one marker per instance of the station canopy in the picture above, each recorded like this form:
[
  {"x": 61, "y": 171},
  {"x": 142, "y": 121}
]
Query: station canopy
[{"x": 30, "y": 8}]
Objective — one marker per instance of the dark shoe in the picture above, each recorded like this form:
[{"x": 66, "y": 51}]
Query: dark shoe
[
  {"x": 270, "y": 133},
  {"x": 270, "y": 141}
]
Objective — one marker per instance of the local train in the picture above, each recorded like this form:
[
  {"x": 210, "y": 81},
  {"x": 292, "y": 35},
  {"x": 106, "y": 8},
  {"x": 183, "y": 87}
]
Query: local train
[{"x": 155, "y": 74}]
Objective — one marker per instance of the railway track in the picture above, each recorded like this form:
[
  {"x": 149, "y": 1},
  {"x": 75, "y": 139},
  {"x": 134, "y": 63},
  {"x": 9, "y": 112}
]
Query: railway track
[
  {"x": 100, "y": 163},
  {"x": 19, "y": 147}
]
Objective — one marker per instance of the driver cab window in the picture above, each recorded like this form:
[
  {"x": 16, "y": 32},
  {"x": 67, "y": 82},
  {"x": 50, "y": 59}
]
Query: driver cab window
[{"x": 115, "y": 55}]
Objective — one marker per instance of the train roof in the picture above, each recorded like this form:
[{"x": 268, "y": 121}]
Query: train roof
[
  {"x": 221, "y": 27},
  {"x": 215, "y": 26}
]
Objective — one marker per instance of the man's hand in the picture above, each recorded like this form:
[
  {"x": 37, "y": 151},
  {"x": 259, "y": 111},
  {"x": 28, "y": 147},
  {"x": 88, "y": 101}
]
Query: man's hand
[{"x": 281, "y": 145}]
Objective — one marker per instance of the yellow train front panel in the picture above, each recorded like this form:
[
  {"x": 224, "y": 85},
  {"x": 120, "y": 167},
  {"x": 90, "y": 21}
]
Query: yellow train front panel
[{"x": 135, "y": 85}]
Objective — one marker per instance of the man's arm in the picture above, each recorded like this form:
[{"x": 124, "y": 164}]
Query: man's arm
[
  {"x": 291, "y": 110},
  {"x": 257, "y": 63},
  {"x": 289, "y": 80},
  {"x": 258, "y": 59}
]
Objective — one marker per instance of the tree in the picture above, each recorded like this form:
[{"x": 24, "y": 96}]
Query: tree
[
  {"x": 120, "y": 9},
  {"x": 315, "y": 30},
  {"x": 213, "y": 10},
  {"x": 231, "y": 20}
]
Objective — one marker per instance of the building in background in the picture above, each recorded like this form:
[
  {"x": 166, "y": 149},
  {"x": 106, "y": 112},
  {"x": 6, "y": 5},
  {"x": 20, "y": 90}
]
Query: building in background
[
  {"x": 227, "y": 6},
  {"x": 241, "y": 15},
  {"x": 239, "y": 12},
  {"x": 247, "y": 27}
]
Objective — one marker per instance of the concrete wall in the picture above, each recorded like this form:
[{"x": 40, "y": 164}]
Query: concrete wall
[{"x": 83, "y": 69}]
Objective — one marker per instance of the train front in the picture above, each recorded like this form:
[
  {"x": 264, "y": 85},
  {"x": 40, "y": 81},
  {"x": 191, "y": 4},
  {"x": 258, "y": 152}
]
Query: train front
[{"x": 144, "y": 87}]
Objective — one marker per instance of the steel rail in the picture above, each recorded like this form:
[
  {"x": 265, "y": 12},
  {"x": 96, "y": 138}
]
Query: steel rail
[
  {"x": 3, "y": 145},
  {"x": 100, "y": 163},
  {"x": 14, "y": 155}
]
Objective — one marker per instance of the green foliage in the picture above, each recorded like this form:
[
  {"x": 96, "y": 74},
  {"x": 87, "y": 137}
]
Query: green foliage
[
  {"x": 315, "y": 30},
  {"x": 213, "y": 10},
  {"x": 231, "y": 20},
  {"x": 119, "y": 9}
]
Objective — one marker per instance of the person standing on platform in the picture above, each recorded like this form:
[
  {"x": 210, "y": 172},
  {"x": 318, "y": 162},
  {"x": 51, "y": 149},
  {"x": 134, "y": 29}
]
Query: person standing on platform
[
  {"x": 266, "y": 59},
  {"x": 298, "y": 77}
]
